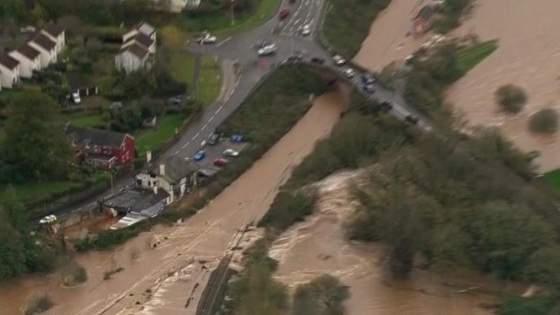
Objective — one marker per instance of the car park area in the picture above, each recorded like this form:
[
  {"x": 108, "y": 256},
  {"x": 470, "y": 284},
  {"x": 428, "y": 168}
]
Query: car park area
[{"x": 216, "y": 152}]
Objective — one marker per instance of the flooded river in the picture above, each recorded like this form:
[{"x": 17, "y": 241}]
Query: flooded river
[
  {"x": 318, "y": 246},
  {"x": 165, "y": 268}
]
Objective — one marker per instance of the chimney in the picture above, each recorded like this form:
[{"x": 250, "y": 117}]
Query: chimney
[
  {"x": 162, "y": 169},
  {"x": 148, "y": 156}
]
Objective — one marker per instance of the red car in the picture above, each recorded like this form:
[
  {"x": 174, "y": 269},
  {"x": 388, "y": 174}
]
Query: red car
[
  {"x": 284, "y": 13},
  {"x": 220, "y": 162}
]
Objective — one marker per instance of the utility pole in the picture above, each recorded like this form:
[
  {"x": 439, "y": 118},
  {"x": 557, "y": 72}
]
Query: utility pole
[{"x": 232, "y": 13}]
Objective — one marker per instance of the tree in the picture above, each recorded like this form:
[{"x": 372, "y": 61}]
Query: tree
[
  {"x": 35, "y": 147},
  {"x": 544, "y": 266},
  {"x": 323, "y": 295},
  {"x": 511, "y": 98},
  {"x": 544, "y": 121}
]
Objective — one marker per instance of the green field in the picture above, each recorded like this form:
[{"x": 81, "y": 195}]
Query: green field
[
  {"x": 210, "y": 80},
  {"x": 154, "y": 138},
  {"x": 221, "y": 22},
  {"x": 85, "y": 120},
  {"x": 470, "y": 56},
  {"x": 553, "y": 177}
]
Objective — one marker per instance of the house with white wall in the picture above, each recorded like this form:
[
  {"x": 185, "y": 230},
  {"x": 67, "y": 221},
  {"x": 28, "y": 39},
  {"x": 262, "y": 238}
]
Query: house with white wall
[
  {"x": 28, "y": 58},
  {"x": 46, "y": 47},
  {"x": 176, "y": 176},
  {"x": 9, "y": 71},
  {"x": 138, "y": 49},
  {"x": 133, "y": 58},
  {"x": 57, "y": 34}
]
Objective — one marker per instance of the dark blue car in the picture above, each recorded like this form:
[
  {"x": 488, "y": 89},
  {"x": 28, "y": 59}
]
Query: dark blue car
[{"x": 199, "y": 155}]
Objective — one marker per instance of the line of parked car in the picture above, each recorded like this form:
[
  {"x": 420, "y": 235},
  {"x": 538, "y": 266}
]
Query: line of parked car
[{"x": 227, "y": 154}]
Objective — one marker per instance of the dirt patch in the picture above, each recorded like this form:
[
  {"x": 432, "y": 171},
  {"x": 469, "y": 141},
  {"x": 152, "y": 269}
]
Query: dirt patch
[{"x": 528, "y": 56}]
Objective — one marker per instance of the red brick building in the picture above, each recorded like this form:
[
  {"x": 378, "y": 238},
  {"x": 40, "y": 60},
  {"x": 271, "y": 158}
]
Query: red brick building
[{"x": 101, "y": 148}]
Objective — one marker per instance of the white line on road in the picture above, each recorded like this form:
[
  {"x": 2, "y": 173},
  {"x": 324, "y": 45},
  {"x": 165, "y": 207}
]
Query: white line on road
[
  {"x": 222, "y": 42},
  {"x": 219, "y": 109},
  {"x": 211, "y": 118},
  {"x": 177, "y": 152},
  {"x": 204, "y": 127}
]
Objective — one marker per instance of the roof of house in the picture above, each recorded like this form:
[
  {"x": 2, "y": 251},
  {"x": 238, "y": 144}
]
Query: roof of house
[
  {"x": 176, "y": 168},
  {"x": 96, "y": 136},
  {"x": 426, "y": 13},
  {"x": 53, "y": 29},
  {"x": 43, "y": 41},
  {"x": 145, "y": 28},
  {"x": 142, "y": 39},
  {"x": 28, "y": 51},
  {"x": 137, "y": 50},
  {"x": 8, "y": 61}
]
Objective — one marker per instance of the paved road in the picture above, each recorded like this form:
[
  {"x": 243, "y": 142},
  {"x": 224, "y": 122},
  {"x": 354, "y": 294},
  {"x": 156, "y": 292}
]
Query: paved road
[{"x": 238, "y": 53}]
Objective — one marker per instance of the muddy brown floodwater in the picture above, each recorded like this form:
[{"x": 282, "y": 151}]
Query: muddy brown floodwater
[
  {"x": 318, "y": 246},
  {"x": 528, "y": 56},
  {"x": 160, "y": 279}
]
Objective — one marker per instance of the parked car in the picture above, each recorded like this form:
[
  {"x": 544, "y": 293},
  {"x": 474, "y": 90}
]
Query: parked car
[
  {"x": 412, "y": 119},
  {"x": 368, "y": 78},
  {"x": 338, "y": 60},
  {"x": 116, "y": 105},
  {"x": 284, "y": 13},
  {"x": 175, "y": 100},
  {"x": 267, "y": 50},
  {"x": 206, "y": 38},
  {"x": 294, "y": 59},
  {"x": 306, "y": 30},
  {"x": 386, "y": 106},
  {"x": 76, "y": 97},
  {"x": 230, "y": 153},
  {"x": 27, "y": 29},
  {"x": 199, "y": 155},
  {"x": 349, "y": 73},
  {"x": 369, "y": 89},
  {"x": 318, "y": 61},
  {"x": 236, "y": 138},
  {"x": 220, "y": 162},
  {"x": 214, "y": 139}
]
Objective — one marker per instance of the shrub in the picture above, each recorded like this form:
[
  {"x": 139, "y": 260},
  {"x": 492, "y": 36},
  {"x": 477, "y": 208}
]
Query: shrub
[
  {"x": 37, "y": 304},
  {"x": 288, "y": 208},
  {"x": 73, "y": 274},
  {"x": 511, "y": 98},
  {"x": 544, "y": 121}
]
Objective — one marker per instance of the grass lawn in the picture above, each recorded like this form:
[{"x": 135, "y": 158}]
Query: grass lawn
[
  {"x": 553, "y": 177},
  {"x": 221, "y": 22},
  {"x": 36, "y": 191},
  {"x": 347, "y": 24},
  {"x": 210, "y": 80},
  {"x": 154, "y": 138},
  {"x": 470, "y": 56},
  {"x": 85, "y": 120},
  {"x": 275, "y": 106}
]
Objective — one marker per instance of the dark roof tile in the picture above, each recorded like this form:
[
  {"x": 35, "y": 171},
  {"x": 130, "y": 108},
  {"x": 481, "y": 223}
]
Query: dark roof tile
[
  {"x": 44, "y": 41},
  {"x": 28, "y": 51},
  {"x": 176, "y": 168},
  {"x": 53, "y": 29},
  {"x": 137, "y": 50},
  {"x": 8, "y": 61},
  {"x": 96, "y": 136},
  {"x": 143, "y": 40}
]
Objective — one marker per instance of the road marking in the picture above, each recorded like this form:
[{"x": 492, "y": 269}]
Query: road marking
[
  {"x": 186, "y": 144},
  {"x": 211, "y": 118},
  {"x": 204, "y": 127},
  {"x": 219, "y": 109},
  {"x": 222, "y": 42},
  {"x": 177, "y": 152}
]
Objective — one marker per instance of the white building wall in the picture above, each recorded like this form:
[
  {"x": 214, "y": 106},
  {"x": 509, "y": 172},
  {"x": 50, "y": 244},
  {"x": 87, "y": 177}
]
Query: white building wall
[
  {"x": 45, "y": 56},
  {"x": 8, "y": 77},
  {"x": 26, "y": 66},
  {"x": 128, "y": 62}
]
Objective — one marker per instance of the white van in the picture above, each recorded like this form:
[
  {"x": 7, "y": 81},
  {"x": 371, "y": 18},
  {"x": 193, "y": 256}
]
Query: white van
[{"x": 76, "y": 97}]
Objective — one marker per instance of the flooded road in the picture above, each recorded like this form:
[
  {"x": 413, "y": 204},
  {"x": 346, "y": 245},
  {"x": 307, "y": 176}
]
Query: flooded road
[
  {"x": 528, "y": 56},
  {"x": 318, "y": 246},
  {"x": 168, "y": 266}
]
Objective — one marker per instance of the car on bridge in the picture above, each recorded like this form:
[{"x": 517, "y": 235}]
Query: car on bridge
[
  {"x": 368, "y": 78},
  {"x": 199, "y": 155},
  {"x": 338, "y": 60},
  {"x": 412, "y": 119},
  {"x": 349, "y": 73},
  {"x": 369, "y": 89}
]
